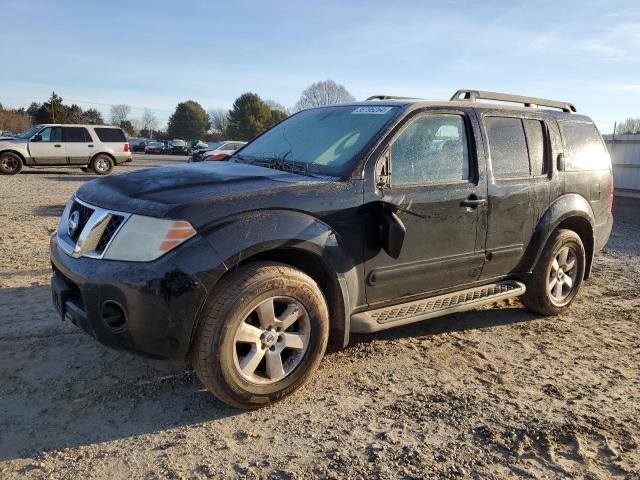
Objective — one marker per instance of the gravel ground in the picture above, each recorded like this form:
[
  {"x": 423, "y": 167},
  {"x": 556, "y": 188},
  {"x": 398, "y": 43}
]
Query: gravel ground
[{"x": 492, "y": 393}]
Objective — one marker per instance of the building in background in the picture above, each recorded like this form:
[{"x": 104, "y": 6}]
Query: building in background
[{"x": 625, "y": 158}]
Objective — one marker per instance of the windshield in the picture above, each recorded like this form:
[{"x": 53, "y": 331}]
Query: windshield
[
  {"x": 154, "y": 144},
  {"x": 29, "y": 133},
  {"x": 322, "y": 140}
]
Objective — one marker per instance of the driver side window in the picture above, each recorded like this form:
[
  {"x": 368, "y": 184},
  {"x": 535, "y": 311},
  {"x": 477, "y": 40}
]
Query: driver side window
[
  {"x": 51, "y": 134},
  {"x": 432, "y": 149}
]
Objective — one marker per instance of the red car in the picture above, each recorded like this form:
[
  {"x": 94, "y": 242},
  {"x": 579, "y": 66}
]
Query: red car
[{"x": 155, "y": 147}]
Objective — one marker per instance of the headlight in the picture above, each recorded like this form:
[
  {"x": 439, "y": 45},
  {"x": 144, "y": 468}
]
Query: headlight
[{"x": 142, "y": 239}]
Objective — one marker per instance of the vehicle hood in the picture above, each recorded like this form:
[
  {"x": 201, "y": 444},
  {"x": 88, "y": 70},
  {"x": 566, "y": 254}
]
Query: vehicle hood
[
  {"x": 12, "y": 141},
  {"x": 201, "y": 187}
]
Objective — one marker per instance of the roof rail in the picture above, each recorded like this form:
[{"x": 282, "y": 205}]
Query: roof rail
[
  {"x": 389, "y": 97},
  {"x": 532, "y": 102}
]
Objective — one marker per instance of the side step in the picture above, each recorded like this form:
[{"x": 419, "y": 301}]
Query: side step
[{"x": 388, "y": 317}]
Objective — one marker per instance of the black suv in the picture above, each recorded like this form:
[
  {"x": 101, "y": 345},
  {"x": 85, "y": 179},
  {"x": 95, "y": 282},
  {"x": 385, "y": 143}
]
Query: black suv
[{"x": 342, "y": 219}]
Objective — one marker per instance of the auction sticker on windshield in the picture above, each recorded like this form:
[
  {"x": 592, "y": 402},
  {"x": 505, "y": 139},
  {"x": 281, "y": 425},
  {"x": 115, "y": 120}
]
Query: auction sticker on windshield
[{"x": 372, "y": 110}]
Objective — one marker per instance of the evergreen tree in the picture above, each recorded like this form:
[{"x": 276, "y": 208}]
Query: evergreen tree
[
  {"x": 189, "y": 121},
  {"x": 249, "y": 117}
]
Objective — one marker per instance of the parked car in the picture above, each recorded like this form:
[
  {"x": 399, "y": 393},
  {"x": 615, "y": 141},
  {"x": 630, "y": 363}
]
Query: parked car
[
  {"x": 7, "y": 134},
  {"x": 95, "y": 147},
  {"x": 178, "y": 147},
  {"x": 217, "y": 151},
  {"x": 155, "y": 147},
  {"x": 138, "y": 145},
  {"x": 349, "y": 218}
]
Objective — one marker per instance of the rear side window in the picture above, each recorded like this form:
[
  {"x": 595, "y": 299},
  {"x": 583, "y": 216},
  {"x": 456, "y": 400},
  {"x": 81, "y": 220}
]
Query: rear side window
[
  {"x": 75, "y": 135},
  {"x": 433, "y": 148},
  {"x": 508, "y": 147},
  {"x": 110, "y": 135},
  {"x": 536, "y": 143},
  {"x": 518, "y": 147},
  {"x": 585, "y": 150}
]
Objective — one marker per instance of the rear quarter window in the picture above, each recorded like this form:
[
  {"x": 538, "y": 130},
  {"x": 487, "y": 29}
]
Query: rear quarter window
[
  {"x": 110, "y": 135},
  {"x": 584, "y": 147}
]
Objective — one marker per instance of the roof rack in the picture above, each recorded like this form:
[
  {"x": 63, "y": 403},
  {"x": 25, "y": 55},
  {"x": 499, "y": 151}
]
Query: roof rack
[
  {"x": 532, "y": 102},
  {"x": 389, "y": 97}
]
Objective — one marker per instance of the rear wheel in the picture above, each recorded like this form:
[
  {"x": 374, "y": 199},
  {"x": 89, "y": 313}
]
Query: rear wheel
[
  {"x": 102, "y": 165},
  {"x": 263, "y": 336},
  {"x": 558, "y": 275},
  {"x": 10, "y": 163}
]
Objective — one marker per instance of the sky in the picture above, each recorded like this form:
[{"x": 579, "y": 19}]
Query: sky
[{"x": 154, "y": 54}]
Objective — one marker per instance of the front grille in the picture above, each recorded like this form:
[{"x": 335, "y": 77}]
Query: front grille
[
  {"x": 85, "y": 212},
  {"x": 114, "y": 223}
]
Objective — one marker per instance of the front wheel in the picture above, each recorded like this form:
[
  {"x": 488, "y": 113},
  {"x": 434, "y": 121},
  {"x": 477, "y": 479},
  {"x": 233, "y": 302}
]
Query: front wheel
[
  {"x": 263, "y": 335},
  {"x": 10, "y": 163},
  {"x": 558, "y": 275},
  {"x": 102, "y": 165}
]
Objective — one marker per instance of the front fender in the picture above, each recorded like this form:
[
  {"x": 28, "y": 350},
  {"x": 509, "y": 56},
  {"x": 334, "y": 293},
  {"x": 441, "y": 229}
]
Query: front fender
[
  {"x": 248, "y": 234},
  {"x": 569, "y": 206}
]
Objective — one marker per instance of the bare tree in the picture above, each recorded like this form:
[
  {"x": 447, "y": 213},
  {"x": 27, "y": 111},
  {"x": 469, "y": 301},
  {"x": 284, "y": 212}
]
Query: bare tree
[
  {"x": 119, "y": 113},
  {"x": 321, "y": 93},
  {"x": 149, "y": 121},
  {"x": 219, "y": 119},
  {"x": 273, "y": 105},
  {"x": 630, "y": 126}
]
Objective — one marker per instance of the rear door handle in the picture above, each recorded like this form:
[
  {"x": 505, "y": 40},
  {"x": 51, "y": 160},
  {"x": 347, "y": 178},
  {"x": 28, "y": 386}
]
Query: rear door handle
[
  {"x": 473, "y": 202},
  {"x": 90, "y": 146},
  {"x": 57, "y": 145}
]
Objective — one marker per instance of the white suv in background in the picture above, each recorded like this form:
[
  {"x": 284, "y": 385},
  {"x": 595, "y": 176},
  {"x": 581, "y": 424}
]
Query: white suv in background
[
  {"x": 217, "y": 151},
  {"x": 95, "y": 147}
]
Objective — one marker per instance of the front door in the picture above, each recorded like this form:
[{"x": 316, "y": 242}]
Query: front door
[
  {"x": 439, "y": 194},
  {"x": 78, "y": 144},
  {"x": 49, "y": 149}
]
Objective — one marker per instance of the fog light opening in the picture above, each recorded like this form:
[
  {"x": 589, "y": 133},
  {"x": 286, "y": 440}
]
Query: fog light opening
[{"x": 113, "y": 316}]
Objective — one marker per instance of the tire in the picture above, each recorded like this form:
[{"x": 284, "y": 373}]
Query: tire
[
  {"x": 102, "y": 164},
  {"x": 556, "y": 278},
  {"x": 232, "y": 333},
  {"x": 10, "y": 163}
]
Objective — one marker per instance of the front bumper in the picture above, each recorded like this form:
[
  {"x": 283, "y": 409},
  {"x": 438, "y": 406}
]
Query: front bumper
[{"x": 160, "y": 300}]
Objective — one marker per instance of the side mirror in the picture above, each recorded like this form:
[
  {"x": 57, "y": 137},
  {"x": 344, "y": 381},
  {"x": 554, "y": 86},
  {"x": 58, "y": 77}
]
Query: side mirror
[
  {"x": 393, "y": 233},
  {"x": 560, "y": 162},
  {"x": 36, "y": 138}
]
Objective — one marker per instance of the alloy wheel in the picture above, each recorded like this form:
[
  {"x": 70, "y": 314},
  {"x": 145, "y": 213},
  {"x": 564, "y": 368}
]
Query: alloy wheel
[
  {"x": 562, "y": 274},
  {"x": 272, "y": 340}
]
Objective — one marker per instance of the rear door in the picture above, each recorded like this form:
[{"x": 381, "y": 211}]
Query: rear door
[
  {"x": 518, "y": 148},
  {"x": 50, "y": 149},
  {"x": 439, "y": 193},
  {"x": 78, "y": 144}
]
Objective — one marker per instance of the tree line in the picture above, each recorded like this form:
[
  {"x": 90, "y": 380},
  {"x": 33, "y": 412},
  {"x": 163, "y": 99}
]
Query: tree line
[
  {"x": 631, "y": 126},
  {"x": 249, "y": 116}
]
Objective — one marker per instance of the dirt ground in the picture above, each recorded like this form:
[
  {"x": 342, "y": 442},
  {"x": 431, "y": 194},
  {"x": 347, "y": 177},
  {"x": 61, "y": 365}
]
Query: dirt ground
[{"x": 493, "y": 393}]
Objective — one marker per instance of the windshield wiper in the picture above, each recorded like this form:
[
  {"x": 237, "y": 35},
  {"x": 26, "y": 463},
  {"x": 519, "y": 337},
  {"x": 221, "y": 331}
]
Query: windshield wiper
[{"x": 279, "y": 163}]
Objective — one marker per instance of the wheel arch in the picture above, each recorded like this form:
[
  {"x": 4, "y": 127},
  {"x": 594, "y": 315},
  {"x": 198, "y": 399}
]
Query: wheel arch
[
  {"x": 572, "y": 212},
  {"x": 106, "y": 153},
  {"x": 15, "y": 152},
  {"x": 296, "y": 239}
]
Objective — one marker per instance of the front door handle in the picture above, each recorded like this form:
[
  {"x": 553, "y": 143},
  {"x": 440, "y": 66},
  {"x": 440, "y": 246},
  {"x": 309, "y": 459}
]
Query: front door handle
[
  {"x": 90, "y": 146},
  {"x": 473, "y": 202},
  {"x": 57, "y": 145}
]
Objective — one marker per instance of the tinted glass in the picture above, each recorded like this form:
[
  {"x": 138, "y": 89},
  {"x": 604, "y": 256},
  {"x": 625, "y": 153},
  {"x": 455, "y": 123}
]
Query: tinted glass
[
  {"x": 51, "y": 134},
  {"x": 324, "y": 140},
  {"x": 535, "y": 132},
  {"x": 433, "y": 148},
  {"x": 75, "y": 135},
  {"x": 507, "y": 146},
  {"x": 585, "y": 150},
  {"x": 114, "y": 135}
]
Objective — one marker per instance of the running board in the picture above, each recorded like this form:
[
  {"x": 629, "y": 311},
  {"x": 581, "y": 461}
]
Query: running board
[{"x": 388, "y": 317}]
